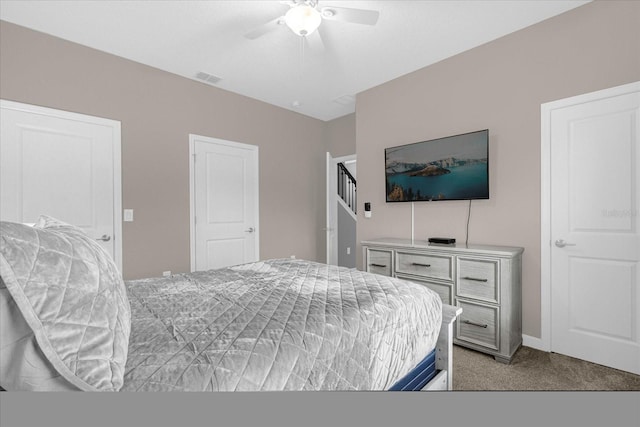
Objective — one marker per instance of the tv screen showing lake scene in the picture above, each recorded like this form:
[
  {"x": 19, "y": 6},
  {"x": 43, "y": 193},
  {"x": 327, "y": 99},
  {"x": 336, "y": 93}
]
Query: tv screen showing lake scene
[{"x": 451, "y": 168}]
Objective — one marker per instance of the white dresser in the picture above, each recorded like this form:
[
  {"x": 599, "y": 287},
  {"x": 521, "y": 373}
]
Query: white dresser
[{"x": 485, "y": 281}]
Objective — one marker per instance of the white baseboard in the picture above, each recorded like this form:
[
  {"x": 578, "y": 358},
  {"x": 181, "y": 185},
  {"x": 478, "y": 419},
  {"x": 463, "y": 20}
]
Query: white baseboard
[{"x": 533, "y": 342}]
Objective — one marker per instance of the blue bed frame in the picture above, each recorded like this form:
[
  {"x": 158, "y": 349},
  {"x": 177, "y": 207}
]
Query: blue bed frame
[
  {"x": 435, "y": 371},
  {"x": 419, "y": 376}
]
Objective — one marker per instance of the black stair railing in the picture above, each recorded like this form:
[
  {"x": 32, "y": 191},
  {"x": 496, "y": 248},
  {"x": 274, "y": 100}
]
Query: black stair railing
[{"x": 347, "y": 187}]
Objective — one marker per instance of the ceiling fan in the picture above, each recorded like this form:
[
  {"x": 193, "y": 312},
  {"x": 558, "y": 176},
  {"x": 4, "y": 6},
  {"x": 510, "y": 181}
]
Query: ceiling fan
[{"x": 305, "y": 16}]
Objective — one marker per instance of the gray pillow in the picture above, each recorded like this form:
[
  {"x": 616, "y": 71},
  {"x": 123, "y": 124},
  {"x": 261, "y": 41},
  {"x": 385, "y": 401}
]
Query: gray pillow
[{"x": 71, "y": 296}]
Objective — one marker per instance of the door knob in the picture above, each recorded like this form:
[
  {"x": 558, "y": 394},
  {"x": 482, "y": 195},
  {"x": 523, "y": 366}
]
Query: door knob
[
  {"x": 104, "y": 238},
  {"x": 561, "y": 243},
  {"x": 250, "y": 230}
]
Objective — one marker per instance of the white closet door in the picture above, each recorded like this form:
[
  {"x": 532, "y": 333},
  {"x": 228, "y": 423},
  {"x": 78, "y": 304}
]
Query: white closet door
[
  {"x": 595, "y": 229},
  {"x": 64, "y": 165},
  {"x": 224, "y": 203}
]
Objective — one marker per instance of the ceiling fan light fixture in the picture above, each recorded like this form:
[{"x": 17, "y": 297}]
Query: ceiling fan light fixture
[{"x": 303, "y": 19}]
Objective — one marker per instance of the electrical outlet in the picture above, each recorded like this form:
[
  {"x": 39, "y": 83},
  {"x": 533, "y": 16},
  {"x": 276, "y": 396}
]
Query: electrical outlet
[
  {"x": 293, "y": 257},
  {"x": 128, "y": 215},
  {"x": 348, "y": 251},
  {"x": 166, "y": 273}
]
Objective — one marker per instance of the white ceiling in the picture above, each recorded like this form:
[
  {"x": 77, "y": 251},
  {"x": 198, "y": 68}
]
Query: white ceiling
[{"x": 188, "y": 37}]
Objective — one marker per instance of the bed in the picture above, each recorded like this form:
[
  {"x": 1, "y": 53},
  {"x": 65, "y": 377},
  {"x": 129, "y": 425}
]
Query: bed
[{"x": 69, "y": 322}]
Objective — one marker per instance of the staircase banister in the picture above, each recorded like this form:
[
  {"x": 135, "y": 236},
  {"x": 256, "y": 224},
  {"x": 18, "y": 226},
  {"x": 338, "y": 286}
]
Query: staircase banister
[{"x": 346, "y": 171}]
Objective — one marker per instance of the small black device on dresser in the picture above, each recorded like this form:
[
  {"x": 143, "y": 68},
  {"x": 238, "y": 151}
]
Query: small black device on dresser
[{"x": 442, "y": 240}]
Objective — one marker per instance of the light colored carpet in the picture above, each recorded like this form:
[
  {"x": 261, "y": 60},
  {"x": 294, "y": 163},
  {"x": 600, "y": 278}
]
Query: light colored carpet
[{"x": 532, "y": 369}]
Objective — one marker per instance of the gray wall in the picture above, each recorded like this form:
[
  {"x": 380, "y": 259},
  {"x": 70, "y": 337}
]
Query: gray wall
[
  {"x": 340, "y": 136},
  {"x": 499, "y": 86},
  {"x": 346, "y": 238},
  {"x": 158, "y": 111}
]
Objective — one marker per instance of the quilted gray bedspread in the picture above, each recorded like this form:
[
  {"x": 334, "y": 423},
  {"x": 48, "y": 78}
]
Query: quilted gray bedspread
[{"x": 277, "y": 325}]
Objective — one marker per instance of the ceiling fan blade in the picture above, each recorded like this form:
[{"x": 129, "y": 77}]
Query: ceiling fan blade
[
  {"x": 347, "y": 14},
  {"x": 263, "y": 29}
]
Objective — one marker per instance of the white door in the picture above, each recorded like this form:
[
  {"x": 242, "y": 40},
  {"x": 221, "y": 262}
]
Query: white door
[
  {"x": 331, "y": 228},
  {"x": 224, "y": 198},
  {"x": 595, "y": 236},
  {"x": 64, "y": 165}
]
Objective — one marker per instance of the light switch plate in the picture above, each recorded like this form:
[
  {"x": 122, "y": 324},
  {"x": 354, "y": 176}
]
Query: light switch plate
[{"x": 128, "y": 215}]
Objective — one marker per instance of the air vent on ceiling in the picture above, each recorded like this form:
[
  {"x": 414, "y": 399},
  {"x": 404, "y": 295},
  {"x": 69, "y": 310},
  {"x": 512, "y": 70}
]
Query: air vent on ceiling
[
  {"x": 209, "y": 78},
  {"x": 345, "y": 100}
]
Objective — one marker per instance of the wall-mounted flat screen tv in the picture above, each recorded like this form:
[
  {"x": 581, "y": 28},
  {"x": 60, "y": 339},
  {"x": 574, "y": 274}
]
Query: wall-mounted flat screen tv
[{"x": 450, "y": 168}]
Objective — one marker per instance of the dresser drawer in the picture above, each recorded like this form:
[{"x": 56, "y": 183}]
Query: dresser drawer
[
  {"x": 425, "y": 265},
  {"x": 444, "y": 290},
  {"x": 380, "y": 261},
  {"x": 478, "y": 278},
  {"x": 478, "y": 324}
]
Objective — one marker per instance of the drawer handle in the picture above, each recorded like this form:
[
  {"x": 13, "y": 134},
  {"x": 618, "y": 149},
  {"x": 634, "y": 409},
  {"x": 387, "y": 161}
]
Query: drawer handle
[
  {"x": 475, "y": 279},
  {"x": 378, "y": 265},
  {"x": 420, "y": 265},
  {"x": 469, "y": 322}
]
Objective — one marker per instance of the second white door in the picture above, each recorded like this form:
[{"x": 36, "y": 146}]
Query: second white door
[
  {"x": 224, "y": 202},
  {"x": 595, "y": 227}
]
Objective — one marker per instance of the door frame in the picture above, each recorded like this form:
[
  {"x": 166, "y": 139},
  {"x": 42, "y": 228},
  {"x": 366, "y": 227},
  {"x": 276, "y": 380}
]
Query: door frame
[
  {"x": 193, "y": 139},
  {"x": 117, "y": 160},
  {"x": 545, "y": 201},
  {"x": 332, "y": 204}
]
